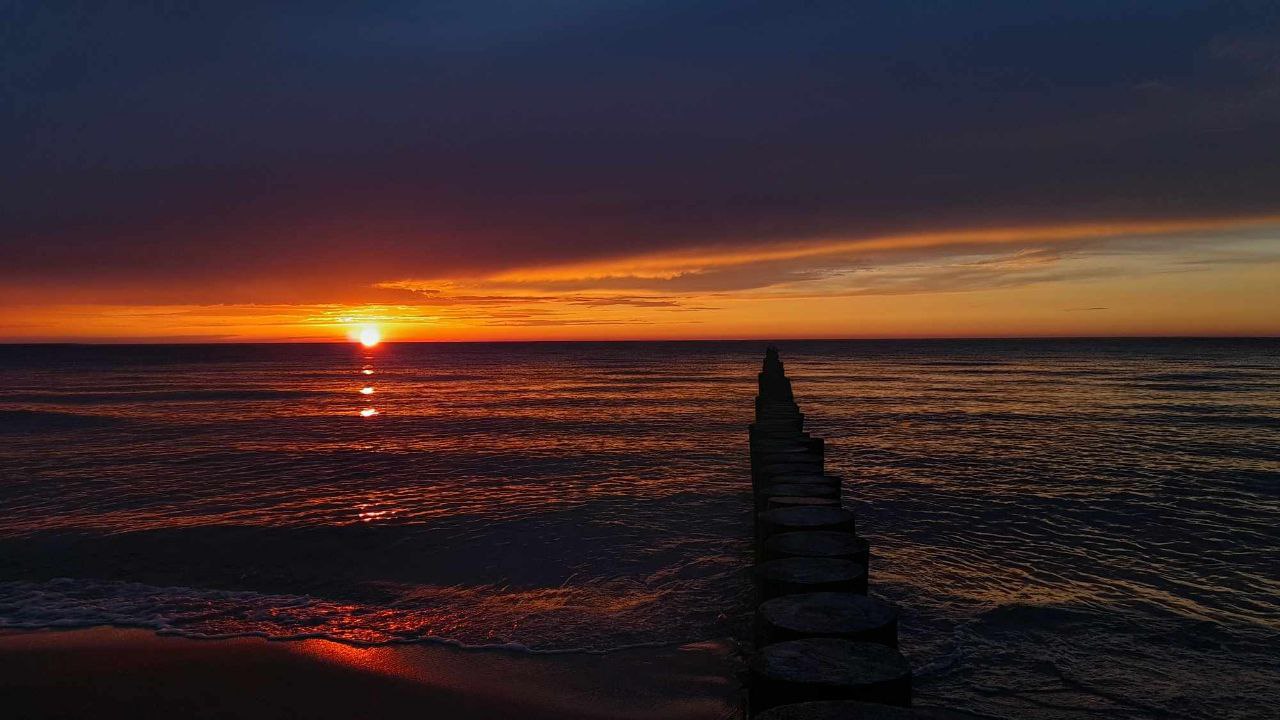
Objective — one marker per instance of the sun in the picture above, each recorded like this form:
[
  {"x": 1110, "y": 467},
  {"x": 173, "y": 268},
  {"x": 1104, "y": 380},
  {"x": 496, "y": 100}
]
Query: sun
[{"x": 370, "y": 336}]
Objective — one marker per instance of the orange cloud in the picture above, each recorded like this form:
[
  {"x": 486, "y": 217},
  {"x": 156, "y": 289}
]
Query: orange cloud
[
  {"x": 1214, "y": 276},
  {"x": 673, "y": 263}
]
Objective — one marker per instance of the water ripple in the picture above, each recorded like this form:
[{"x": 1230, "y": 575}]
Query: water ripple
[{"x": 1073, "y": 528}]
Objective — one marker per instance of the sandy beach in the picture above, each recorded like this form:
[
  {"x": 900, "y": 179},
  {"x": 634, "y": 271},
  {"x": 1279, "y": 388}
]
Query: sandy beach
[{"x": 108, "y": 672}]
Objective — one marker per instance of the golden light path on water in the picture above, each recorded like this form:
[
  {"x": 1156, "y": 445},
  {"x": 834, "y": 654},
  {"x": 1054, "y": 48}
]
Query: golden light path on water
[{"x": 369, "y": 337}]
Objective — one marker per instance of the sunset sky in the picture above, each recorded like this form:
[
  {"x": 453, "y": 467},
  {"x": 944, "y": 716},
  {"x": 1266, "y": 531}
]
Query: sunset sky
[{"x": 481, "y": 170}]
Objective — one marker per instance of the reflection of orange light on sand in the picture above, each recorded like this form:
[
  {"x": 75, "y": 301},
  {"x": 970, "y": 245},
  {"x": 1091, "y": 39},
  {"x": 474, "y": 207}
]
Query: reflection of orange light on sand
[
  {"x": 367, "y": 371},
  {"x": 370, "y": 336},
  {"x": 368, "y": 412},
  {"x": 395, "y": 662},
  {"x": 366, "y": 391}
]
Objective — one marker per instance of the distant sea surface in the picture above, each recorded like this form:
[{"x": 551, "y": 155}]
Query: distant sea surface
[{"x": 1075, "y": 529}]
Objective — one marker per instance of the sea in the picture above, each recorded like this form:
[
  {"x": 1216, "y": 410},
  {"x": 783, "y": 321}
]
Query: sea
[{"x": 1073, "y": 529}]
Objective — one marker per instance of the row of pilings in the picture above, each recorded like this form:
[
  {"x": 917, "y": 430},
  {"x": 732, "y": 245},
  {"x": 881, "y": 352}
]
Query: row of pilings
[{"x": 823, "y": 648}]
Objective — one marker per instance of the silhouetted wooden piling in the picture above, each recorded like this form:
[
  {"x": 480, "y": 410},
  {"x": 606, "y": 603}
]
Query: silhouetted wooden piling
[
  {"x": 853, "y": 710},
  {"x": 767, "y": 492},
  {"x": 805, "y": 478},
  {"x": 784, "y": 445},
  {"x": 802, "y": 489},
  {"x": 843, "y": 545},
  {"x": 827, "y": 614},
  {"x": 807, "y": 518},
  {"x": 774, "y": 502},
  {"x": 790, "y": 576},
  {"x": 793, "y": 466},
  {"x": 829, "y": 669},
  {"x": 773, "y": 463},
  {"x": 819, "y": 636}
]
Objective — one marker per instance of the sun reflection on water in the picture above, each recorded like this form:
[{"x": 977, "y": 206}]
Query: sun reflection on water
[{"x": 367, "y": 368}]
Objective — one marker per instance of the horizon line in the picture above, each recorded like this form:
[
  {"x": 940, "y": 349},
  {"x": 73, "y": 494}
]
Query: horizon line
[{"x": 884, "y": 338}]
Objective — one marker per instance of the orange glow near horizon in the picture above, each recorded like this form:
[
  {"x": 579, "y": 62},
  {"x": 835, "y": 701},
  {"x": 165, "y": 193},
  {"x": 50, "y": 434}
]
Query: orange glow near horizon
[{"x": 1210, "y": 277}]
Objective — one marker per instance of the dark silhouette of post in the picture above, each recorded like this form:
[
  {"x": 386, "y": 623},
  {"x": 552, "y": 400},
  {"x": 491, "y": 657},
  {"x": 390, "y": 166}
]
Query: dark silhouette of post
[{"x": 819, "y": 637}]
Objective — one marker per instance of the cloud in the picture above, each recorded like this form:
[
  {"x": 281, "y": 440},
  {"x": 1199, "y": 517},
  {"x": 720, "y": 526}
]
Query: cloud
[
  {"x": 992, "y": 257},
  {"x": 583, "y": 161},
  {"x": 308, "y": 154},
  {"x": 700, "y": 280}
]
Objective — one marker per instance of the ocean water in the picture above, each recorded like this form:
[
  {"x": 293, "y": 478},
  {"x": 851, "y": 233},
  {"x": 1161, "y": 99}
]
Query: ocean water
[{"x": 1074, "y": 528}]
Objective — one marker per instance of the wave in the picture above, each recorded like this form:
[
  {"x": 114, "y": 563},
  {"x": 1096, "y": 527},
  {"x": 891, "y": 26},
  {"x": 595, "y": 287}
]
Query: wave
[
  {"x": 1039, "y": 617},
  {"x": 1203, "y": 376},
  {"x": 20, "y": 422},
  {"x": 132, "y": 396},
  {"x": 1225, "y": 420},
  {"x": 205, "y": 614},
  {"x": 1205, "y": 387}
]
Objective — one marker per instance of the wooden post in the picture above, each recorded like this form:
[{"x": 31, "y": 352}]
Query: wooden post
[{"x": 819, "y": 637}]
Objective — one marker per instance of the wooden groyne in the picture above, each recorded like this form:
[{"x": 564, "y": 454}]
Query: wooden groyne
[{"x": 823, "y": 648}]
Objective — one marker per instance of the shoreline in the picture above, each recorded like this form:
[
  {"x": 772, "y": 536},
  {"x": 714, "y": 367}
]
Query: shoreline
[
  {"x": 511, "y": 647},
  {"x": 118, "y": 672}
]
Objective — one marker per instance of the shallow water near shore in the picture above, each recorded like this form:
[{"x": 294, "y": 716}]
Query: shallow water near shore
[
  {"x": 108, "y": 672},
  {"x": 1074, "y": 528}
]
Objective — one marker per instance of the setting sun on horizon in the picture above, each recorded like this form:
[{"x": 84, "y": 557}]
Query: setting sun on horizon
[{"x": 1209, "y": 277}]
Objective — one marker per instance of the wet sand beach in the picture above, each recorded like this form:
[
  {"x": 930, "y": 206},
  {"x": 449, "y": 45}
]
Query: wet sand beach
[{"x": 108, "y": 672}]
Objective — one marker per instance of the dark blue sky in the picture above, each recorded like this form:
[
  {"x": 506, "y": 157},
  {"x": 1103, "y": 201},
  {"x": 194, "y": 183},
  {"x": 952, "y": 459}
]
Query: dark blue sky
[{"x": 151, "y": 147}]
